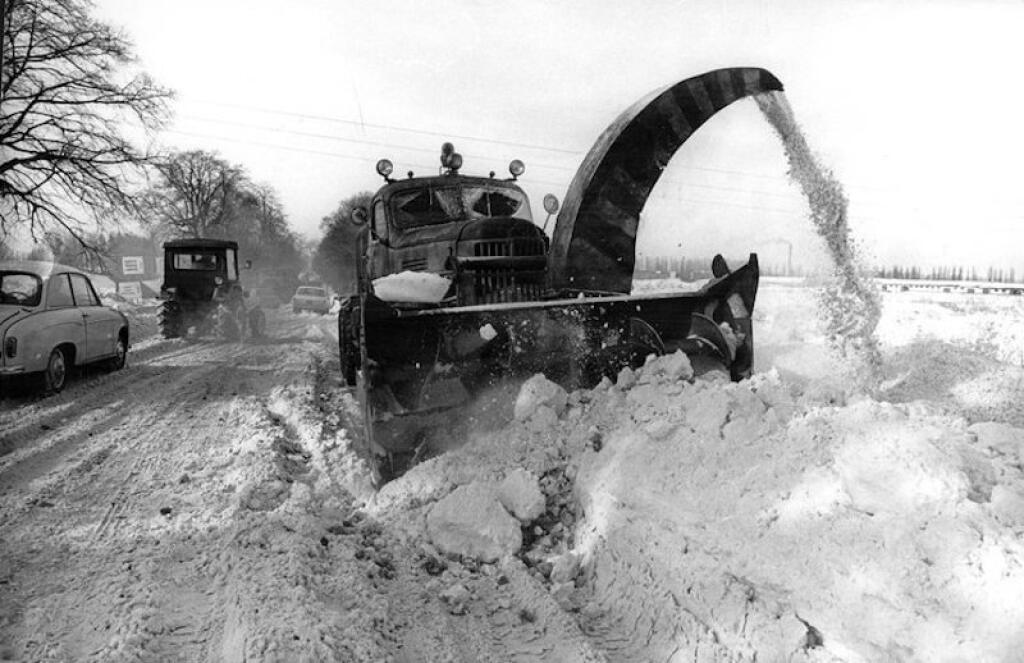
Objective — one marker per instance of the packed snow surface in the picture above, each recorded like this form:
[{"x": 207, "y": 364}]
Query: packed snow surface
[{"x": 212, "y": 502}]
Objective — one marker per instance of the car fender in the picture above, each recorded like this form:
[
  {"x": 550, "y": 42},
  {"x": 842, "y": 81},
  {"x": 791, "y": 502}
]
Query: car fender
[{"x": 37, "y": 335}]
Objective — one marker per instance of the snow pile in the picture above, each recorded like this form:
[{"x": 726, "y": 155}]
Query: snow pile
[
  {"x": 482, "y": 519},
  {"x": 759, "y": 520},
  {"x": 868, "y": 532}
]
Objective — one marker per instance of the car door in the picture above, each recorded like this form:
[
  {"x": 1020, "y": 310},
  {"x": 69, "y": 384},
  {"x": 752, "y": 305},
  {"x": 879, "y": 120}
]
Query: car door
[
  {"x": 100, "y": 326},
  {"x": 63, "y": 322}
]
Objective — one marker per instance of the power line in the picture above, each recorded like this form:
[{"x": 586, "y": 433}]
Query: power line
[
  {"x": 343, "y": 139},
  {"x": 338, "y": 155},
  {"x": 389, "y": 127},
  {"x": 419, "y": 149}
]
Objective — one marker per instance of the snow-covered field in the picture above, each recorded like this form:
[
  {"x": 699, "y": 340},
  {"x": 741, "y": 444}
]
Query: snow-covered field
[{"x": 210, "y": 503}]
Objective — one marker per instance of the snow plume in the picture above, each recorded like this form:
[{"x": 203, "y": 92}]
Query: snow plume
[{"x": 850, "y": 301}]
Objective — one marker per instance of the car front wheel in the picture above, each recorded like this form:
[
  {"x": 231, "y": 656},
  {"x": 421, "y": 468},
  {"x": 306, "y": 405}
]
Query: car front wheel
[
  {"x": 56, "y": 371},
  {"x": 120, "y": 354}
]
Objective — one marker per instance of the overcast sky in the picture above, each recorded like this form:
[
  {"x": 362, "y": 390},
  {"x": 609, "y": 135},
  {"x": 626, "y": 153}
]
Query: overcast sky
[{"x": 917, "y": 107}]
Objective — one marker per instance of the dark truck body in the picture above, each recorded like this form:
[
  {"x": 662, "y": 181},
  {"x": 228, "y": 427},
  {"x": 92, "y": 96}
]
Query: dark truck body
[
  {"x": 202, "y": 291},
  {"x": 501, "y": 318}
]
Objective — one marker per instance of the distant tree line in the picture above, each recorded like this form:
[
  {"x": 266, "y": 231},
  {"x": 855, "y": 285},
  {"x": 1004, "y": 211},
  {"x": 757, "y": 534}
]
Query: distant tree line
[
  {"x": 337, "y": 255},
  {"x": 699, "y": 268},
  {"x": 948, "y": 273},
  {"x": 198, "y": 194}
]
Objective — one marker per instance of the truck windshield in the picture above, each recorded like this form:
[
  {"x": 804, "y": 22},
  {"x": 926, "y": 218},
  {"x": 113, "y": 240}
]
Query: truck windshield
[
  {"x": 434, "y": 205},
  {"x": 196, "y": 261},
  {"x": 20, "y": 288}
]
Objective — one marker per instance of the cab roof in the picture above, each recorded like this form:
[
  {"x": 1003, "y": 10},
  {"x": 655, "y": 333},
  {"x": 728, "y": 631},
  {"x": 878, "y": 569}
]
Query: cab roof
[
  {"x": 445, "y": 180},
  {"x": 201, "y": 243}
]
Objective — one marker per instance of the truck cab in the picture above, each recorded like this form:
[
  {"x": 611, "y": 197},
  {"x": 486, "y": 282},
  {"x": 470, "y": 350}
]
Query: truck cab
[{"x": 478, "y": 232}]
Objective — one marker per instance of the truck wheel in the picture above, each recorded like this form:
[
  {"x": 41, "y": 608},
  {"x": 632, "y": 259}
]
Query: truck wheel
[
  {"x": 56, "y": 372},
  {"x": 227, "y": 325},
  {"x": 257, "y": 323},
  {"x": 348, "y": 350},
  {"x": 170, "y": 320}
]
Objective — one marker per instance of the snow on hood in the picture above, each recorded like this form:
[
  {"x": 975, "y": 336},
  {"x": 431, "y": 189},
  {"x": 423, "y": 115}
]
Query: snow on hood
[{"x": 411, "y": 287}]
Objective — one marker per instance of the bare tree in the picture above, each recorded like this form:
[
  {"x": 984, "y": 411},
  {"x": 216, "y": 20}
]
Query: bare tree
[
  {"x": 71, "y": 96},
  {"x": 196, "y": 194},
  {"x": 337, "y": 255}
]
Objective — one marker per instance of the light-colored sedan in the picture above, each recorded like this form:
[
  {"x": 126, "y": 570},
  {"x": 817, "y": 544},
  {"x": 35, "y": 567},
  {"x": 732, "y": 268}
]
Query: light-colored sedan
[
  {"x": 310, "y": 298},
  {"x": 51, "y": 320}
]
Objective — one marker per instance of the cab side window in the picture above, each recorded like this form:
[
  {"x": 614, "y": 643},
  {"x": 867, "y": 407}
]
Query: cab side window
[
  {"x": 380, "y": 222},
  {"x": 82, "y": 289},
  {"x": 59, "y": 295},
  {"x": 232, "y": 265}
]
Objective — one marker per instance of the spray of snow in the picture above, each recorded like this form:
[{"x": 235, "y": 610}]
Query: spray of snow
[{"x": 850, "y": 302}]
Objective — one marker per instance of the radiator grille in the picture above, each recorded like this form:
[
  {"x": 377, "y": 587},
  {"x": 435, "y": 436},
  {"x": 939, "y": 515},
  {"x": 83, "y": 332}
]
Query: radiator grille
[
  {"x": 414, "y": 264},
  {"x": 519, "y": 246},
  {"x": 492, "y": 286}
]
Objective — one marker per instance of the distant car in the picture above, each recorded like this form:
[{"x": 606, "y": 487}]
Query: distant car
[
  {"x": 311, "y": 298},
  {"x": 51, "y": 320}
]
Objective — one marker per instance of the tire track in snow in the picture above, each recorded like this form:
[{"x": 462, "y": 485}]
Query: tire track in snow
[{"x": 193, "y": 405}]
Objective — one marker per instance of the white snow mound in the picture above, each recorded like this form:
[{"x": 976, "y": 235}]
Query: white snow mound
[
  {"x": 471, "y": 522},
  {"x": 520, "y": 493},
  {"x": 538, "y": 392},
  {"x": 411, "y": 287}
]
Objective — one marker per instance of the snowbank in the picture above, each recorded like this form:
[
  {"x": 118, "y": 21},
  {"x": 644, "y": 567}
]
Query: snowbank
[{"x": 767, "y": 520}]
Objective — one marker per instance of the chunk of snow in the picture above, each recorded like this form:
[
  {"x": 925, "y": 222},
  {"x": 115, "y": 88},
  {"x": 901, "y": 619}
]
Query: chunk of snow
[
  {"x": 520, "y": 493},
  {"x": 565, "y": 567},
  {"x": 470, "y": 521},
  {"x": 536, "y": 392}
]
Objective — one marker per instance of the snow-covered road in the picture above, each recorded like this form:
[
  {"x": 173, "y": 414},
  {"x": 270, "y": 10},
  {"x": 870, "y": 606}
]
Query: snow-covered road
[{"x": 210, "y": 503}]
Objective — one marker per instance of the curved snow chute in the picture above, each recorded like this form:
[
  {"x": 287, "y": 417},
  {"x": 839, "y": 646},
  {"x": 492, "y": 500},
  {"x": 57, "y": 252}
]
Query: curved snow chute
[{"x": 594, "y": 240}]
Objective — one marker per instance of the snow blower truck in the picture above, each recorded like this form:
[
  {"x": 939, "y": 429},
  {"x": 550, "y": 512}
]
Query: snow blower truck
[
  {"x": 459, "y": 290},
  {"x": 203, "y": 293}
]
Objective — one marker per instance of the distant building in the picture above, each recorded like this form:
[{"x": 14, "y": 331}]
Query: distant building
[{"x": 137, "y": 266}]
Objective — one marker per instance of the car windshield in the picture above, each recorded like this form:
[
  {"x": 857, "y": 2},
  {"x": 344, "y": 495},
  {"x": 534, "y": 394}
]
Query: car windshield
[
  {"x": 446, "y": 204},
  {"x": 20, "y": 288},
  {"x": 312, "y": 292},
  {"x": 196, "y": 261}
]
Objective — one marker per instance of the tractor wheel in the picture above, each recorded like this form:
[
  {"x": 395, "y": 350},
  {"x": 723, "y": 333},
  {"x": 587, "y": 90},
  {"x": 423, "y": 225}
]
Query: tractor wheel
[
  {"x": 56, "y": 372},
  {"x": 170, "y": 320},
  {"x": 227, "y": 327},
  {"x": 348, "y": 348},
  {"x": 257, "y": 323}
]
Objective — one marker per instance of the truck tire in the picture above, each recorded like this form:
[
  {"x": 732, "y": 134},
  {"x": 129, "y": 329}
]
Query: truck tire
[
  {"x": 227, "y": 327},
  {"x": 348, "y": 349},
  {"x": 257, "y": 323},
  {"x": 170, "y": 320}
]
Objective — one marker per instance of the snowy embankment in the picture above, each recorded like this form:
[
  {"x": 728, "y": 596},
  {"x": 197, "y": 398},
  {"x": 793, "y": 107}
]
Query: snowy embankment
[{"x": 786, "y": 517}]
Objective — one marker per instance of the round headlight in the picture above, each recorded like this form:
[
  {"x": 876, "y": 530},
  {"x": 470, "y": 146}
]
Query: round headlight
[
  {"x": 517, "y": 168},
  {"x": 385, "y": 168}
]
